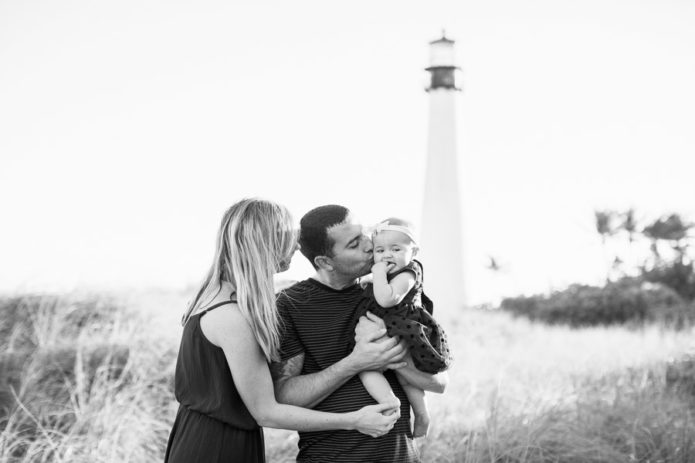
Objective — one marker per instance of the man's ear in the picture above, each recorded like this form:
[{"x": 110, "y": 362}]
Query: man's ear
[{"x": 324, "y": 263}]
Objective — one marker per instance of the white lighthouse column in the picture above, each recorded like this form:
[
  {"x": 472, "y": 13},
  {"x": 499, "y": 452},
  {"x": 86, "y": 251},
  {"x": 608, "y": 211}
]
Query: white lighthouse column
[{"x": 442, "y": 250}]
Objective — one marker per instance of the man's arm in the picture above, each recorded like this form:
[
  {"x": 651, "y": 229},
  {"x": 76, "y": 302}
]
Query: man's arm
[
  {"x": 427, "y": 381},
  {"x": 291, "y": 387}
]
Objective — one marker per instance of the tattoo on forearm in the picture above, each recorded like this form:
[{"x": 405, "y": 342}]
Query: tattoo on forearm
[{"x": 288, "y": 368}]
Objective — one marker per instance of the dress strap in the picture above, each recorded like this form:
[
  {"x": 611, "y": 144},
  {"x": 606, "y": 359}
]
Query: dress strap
[
  {"x": 414, "y": 267},
  {"x": 231, "y": 300}
]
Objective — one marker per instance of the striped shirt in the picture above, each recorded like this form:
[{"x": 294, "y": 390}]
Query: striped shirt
[{"x": 317, "y": 322}]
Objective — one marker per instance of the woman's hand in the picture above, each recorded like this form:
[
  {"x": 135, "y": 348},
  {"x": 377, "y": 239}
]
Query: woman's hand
[{"x": 371, "y": 420}]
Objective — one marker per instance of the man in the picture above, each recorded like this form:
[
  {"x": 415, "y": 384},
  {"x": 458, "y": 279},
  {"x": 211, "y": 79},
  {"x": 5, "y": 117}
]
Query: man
[{"x": 315, "y": 371}]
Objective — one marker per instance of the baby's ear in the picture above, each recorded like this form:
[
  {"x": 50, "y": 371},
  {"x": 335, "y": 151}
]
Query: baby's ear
[{"x": 415, "y": 250}]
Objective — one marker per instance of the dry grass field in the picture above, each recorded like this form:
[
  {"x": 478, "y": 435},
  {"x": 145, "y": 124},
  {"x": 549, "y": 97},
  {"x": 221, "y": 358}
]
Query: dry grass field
[{"x": 86, "y": 379}]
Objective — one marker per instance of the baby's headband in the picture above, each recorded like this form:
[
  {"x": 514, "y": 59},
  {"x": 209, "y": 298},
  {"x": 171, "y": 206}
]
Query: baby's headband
[{"x": 385, "y": 226}]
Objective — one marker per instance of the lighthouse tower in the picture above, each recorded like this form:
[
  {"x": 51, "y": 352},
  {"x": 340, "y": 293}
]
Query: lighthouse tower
[{"x": 441, "y": 237}]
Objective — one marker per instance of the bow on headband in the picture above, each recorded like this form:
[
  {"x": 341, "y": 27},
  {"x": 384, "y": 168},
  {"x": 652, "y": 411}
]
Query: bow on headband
[{"x": 385, "y": 226}]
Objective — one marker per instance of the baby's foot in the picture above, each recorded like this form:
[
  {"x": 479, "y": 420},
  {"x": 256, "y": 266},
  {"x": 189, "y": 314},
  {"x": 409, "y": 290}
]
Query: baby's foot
[{"x": 422, "y": 424}]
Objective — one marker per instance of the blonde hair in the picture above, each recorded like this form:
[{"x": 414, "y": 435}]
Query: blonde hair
[{"x": 255, "y": 236}]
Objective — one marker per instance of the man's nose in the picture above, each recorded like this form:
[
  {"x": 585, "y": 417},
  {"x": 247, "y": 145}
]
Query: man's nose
[{"x": 368, "y": 247}]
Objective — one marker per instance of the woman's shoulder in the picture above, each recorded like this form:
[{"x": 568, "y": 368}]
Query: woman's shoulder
[
  {"x": 214, "y": 305},
  {"x": 223, "y": 312},
  {"x": 223, "y": 323}
]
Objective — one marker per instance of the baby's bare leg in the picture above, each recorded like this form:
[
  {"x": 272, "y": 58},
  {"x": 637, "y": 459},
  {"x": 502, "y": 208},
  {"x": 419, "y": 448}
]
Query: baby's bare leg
[
  {"x": 380, "y": 389},
  {"x": 374, "y": 381},
  {"x": 418, "y": 402},
  {"x": 416, "y": 397}
]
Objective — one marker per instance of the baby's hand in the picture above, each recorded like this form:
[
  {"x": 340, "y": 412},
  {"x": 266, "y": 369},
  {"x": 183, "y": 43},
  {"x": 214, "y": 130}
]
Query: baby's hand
[
  {"x": 365, "y": 280},
  {"x": 382, "y": 267}
]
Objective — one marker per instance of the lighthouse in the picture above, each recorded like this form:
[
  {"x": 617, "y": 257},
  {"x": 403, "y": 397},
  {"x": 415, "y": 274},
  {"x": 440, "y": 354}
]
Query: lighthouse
[{"x": 442, "y": 244}]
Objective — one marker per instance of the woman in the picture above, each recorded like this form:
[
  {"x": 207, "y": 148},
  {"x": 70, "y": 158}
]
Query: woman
[{"x": 231, "y": 332}]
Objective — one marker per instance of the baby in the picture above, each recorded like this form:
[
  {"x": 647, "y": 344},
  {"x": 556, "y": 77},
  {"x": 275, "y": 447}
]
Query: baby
[{"x": 396, "y": 296}]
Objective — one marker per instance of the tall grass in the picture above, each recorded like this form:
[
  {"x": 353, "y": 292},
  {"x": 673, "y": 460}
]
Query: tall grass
[
  {"x": 86, "y": 379},
  {"x": 626, "y": 417},
  {"x": 525, "y": 392},
  {"x": 81, "y": 382}
]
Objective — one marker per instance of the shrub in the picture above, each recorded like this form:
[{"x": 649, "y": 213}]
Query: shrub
[
  {"x": 676, "y": 275},
  {"x": 680, "y": 376},
  {"x": 626, "y": 301}
]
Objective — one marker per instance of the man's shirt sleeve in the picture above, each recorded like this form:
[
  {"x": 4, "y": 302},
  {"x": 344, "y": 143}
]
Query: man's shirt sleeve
[{"x": 290, "y": 344}]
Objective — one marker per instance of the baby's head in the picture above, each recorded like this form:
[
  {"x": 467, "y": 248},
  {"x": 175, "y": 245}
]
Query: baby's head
[{"x": 394, "y": 242}]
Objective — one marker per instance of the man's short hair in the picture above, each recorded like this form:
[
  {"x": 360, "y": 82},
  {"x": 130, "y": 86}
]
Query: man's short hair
[{"x": 313, "y": 230}]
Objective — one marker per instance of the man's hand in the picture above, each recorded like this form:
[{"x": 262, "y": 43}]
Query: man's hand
[
  {"x": 373, "y": 353},
  {"x": 369, "y": 324}
]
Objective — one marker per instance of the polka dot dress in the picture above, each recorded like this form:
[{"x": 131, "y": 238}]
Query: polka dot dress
[{"x": 412, "y": 321}]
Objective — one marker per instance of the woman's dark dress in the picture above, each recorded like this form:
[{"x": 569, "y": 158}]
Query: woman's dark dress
[
  {"x": 412, "y": 321},
  {"x": 212, "y": 425}
]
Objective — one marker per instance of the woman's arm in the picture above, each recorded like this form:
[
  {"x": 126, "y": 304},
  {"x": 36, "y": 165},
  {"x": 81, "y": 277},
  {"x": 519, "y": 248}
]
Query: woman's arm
[
  {"x": 308, "y": 390},
  {"x": 227, "y": 328},
  {"x": 388, "y": 294}
]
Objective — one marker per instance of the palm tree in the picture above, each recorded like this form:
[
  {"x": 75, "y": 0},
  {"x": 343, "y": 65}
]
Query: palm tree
[
  {"x": 671, "y": 229},
  {"x": 677, "y": 273},
  {"x": 629, "y": 224},
  {"x": 605, "y": 227}
]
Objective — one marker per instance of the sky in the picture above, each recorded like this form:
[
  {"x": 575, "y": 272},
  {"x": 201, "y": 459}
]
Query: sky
[{"x": 128, "y": 127}]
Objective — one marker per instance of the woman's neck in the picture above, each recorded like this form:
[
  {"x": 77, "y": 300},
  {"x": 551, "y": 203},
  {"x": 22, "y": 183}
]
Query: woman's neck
[
  {"x": 223, "y": 292},
  {"x": 226, "y": 290}
]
